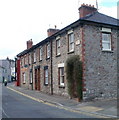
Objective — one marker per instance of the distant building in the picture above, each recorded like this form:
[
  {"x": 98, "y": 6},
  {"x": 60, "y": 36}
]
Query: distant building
[
  {"x": 1, "y": 73},
  {"x": 93, "y": 37},
  {"x": 7, "y": 69}
]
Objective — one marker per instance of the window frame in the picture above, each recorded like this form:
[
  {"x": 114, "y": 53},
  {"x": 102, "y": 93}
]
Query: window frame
[
  {"x": 70, "y": 42},
  {"x": 34, "y": 56},
  {"x": 40, "y": 53},
  {"x": 58, "y": 46},
  {"x": 31, "y": 77},
  {"x": 29, "y": 58},
  {"x": 48, "y": 51},
  {"x": 106, "y": 42},
  {"x": 24, "y": 77},
  {"x": 61, "y": 77},
  {"x": 46, "y": 76}
]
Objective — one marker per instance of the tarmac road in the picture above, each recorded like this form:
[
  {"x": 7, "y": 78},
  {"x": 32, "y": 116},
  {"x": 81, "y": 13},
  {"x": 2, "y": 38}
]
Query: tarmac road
[{"x": 15, "y": 105}]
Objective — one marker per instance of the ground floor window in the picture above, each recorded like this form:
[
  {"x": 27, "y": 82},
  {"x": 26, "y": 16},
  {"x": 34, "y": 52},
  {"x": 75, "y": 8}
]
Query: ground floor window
[
  {"x": 24, "y": 77},
  {"x": 61, "y": 76},
  {"x": 31, "y": 79},
  {"x": 46, "y": 75}
]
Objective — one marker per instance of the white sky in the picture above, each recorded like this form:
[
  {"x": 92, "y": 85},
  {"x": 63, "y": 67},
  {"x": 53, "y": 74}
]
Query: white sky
[{"x": 21, "y": 20}]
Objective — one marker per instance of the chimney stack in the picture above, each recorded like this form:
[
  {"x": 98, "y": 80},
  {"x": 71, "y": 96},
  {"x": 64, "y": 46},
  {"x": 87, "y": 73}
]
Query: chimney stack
[
  {"x": 86, "y": 9},
  {"x": 52, "y": 31},
  {"x": 29, "y": 44}
]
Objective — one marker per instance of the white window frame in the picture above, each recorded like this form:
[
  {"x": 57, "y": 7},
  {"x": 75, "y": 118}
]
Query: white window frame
[
  {"x": 106, "y": 42},
  {"x": 40, "y": 53},
  {"x": 25, "y": 59},
  {"x": 58, "y": 46},
  {"x": 34, "y": 56},
  {"x": 29, "y": 58},
  {"x": 31, "y": 79},
  {"x": 24, "y": 78},
  {"x": 60, "y": 66},
  {"x": 48, "y": 50},
  {"x": 46, "y": 77},
  {"x": 71, "y": 42},
  {"x": 61, "y": 76}
]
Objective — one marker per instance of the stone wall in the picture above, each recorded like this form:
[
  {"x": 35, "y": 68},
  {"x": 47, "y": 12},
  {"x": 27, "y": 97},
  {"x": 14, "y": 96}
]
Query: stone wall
[
  {"x": 100, "y": 66},
  {"x": 63, "y": 57}
]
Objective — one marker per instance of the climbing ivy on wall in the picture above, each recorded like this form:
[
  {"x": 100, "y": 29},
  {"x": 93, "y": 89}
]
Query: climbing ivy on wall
[{"x": 74, "y": 76}]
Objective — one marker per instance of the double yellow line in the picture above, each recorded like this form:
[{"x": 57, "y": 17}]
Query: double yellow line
[{"x": 60, "y": 107}]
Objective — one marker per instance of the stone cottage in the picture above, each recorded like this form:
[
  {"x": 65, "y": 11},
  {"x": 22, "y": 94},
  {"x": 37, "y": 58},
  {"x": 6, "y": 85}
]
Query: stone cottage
[{"x": 93, "y": 37}]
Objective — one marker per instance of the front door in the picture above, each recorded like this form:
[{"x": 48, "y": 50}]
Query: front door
[{"x": 37, "y": 79}]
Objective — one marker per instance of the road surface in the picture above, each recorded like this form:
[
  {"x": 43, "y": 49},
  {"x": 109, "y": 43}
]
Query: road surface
[{"x": 15, "y": 105}]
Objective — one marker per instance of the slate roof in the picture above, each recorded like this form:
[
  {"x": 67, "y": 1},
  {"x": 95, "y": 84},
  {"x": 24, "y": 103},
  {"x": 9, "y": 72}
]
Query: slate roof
[
  {"x": 95, "y": 17},
  {"x": 101, "y": 18}
]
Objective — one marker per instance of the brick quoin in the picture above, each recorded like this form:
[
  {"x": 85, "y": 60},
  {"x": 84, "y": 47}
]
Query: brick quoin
[{"x": 83, "y": 59}]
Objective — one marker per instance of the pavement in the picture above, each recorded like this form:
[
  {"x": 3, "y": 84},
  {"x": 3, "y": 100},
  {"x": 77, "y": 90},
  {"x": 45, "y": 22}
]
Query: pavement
[{"x": 107, "y": 108}]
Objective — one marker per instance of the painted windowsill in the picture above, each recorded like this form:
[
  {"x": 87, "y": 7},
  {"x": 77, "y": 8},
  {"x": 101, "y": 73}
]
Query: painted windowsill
[
  {"x": 48, "y": 58},
  {"x": 70, "y": 52},
  {"x": 110, "y": 51},
  {"x": 58, "y": 55},
  {"x": 62, "y": 86},
  {"x": 45, "y": 84},
  {"x": 34, "y": 62},
  {"x": 40, "y": 60}
]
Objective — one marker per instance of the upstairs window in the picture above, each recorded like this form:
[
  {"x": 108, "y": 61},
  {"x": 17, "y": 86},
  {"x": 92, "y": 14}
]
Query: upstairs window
[
  {"x": 21, "y": 62},
  {"x": 34, "y": 56},
  {"x": 71, "y": 42},
  {"x": 58, "y": 47},
  {"x": 25, "y": 60},
  {"x": 29, "y": 59},
  {"x": 48, "y": 51},
  {"x": 106, "y": 41},
  {"x": 40, "y": 53}
]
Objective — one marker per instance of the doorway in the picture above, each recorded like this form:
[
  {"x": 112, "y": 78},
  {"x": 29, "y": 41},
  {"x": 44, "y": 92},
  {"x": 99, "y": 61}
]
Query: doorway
[{"x": 37, "y": 79}]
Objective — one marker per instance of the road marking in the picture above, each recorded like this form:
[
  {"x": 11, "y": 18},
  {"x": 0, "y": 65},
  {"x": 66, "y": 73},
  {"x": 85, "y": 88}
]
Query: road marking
[
  {"x": 91, "y": 108},
  {"x": 5, "y": 113},
  {"x": 60, "y": 107}
]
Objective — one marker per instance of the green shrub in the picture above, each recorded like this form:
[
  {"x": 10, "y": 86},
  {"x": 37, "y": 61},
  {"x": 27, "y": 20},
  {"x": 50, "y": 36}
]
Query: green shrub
[{"x": 74, "y": 76}]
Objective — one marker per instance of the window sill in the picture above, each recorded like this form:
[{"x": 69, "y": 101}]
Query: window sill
[
  {"x": 47, "y": 58},
  {"x": 58, "y": 55},
  {"x": 61, "y": 86},
  {"x": 70, "y": 52},
  {"x": 45, "y": 84},
  {"x": 110, "y": 51},
  {"x": 40, "y": 60}
]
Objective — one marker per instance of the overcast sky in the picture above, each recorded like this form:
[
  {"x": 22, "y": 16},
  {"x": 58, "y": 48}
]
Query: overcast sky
[{"x": 22, "y": 20}]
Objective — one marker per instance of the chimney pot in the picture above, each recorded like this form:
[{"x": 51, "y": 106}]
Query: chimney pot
[{"x": 86, "y": 9}]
